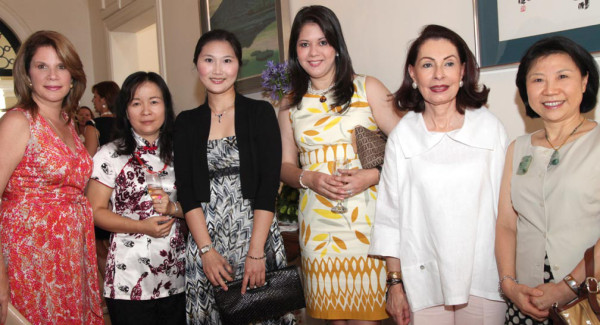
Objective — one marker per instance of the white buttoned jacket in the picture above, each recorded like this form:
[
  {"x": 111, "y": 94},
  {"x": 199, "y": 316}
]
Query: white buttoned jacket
[{"x": 437, "y": 207}]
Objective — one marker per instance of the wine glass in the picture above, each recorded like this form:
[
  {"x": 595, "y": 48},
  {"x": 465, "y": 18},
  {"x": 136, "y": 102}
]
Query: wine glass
[
  {"x": 339, "y": 164},
  {"x": 154, "y": 184}
]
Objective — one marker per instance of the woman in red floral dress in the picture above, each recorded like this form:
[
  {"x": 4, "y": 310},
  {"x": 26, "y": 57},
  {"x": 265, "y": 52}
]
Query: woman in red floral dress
[{"x": 47, "y": 237}]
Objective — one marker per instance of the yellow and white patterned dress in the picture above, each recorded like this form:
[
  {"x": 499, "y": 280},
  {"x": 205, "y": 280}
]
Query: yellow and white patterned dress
[{"x": 340, "y": 281}]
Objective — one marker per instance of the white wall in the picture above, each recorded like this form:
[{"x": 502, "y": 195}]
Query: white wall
[{"x": 378, "y": 34}]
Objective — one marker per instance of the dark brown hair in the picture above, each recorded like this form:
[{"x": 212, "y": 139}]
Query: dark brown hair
[
  {"x": 469, "y": 95},
  {"x": 343, "y": 88},
  {"x": 109, "y": 90},
  {"x": 69, "y": 57}
]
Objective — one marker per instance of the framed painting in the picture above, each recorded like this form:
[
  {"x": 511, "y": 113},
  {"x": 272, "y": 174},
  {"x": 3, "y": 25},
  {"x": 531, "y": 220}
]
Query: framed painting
[
  {"x": 505, "y": 29},
  {"x": 258, "y": 26}
]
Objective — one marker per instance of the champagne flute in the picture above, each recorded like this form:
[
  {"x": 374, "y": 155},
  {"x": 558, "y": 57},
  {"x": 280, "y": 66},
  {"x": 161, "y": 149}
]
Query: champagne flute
[
  {"x": 154, "y": 184},
  {"x": 339, "y": 164}
]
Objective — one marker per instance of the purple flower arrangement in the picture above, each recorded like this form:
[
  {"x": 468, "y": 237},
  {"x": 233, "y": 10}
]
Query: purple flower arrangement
[{"x": 276, "y": 80}]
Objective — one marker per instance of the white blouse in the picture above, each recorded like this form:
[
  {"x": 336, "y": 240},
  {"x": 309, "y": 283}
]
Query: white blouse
[
  {"x": 138, "y": 266},
  {"x": 437, "y": 207}
]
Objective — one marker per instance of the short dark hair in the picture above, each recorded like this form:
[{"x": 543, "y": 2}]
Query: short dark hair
[
  {"x": 66, "y": 53},
  {"x": 554, "y": 45},
  {"x": 344, "y": 73},
  {"x": 109, "y": 90},
  {"x": 219, "y": 35},
  {"x": 126, "y": 143},
  {"x": 470, "y": 95}
]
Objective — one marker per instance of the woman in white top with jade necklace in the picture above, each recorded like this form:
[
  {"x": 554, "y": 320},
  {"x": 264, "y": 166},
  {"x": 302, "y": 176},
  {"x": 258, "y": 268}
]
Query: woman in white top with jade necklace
[
  {"x": 549, "y": 211},
  {"x": 439, "y": 190}
]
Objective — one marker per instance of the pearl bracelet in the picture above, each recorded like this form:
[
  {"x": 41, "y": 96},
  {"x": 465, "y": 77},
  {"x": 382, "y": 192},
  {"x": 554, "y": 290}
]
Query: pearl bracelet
[{"x": 300, "y": 180}]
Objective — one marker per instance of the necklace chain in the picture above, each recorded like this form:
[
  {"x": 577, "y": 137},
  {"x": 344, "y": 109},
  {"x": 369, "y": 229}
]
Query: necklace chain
[
  {"x": 146, "y": 167},
  {"x": 220, "y": 114},
  {"x": 317, "y": 92},
  {"x": 570, "y": 134}
]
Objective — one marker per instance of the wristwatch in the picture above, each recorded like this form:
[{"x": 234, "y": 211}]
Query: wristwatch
[
  {"x": 205, "y": 249},
  {"x": 570, "y": 281}
]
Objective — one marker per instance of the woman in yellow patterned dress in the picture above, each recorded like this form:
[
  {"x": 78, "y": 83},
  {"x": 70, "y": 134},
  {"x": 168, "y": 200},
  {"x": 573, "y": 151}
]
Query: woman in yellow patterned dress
[{"x": 328, "y": 100}]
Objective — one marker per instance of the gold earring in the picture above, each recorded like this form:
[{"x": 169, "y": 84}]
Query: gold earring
[{"x": 71, "y": 86}]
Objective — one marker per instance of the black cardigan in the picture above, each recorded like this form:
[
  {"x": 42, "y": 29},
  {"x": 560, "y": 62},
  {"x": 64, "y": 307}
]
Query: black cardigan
[{"x": 259, "y": 145}]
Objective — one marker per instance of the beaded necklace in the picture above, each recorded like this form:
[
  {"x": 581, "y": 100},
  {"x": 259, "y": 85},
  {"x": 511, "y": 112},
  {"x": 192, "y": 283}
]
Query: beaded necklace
[{"x": 146, "y": 167}]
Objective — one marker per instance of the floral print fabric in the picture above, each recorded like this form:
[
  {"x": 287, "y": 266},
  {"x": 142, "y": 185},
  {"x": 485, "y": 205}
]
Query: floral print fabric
[
  {"x": 47, "y": 231},
  {"x": 139, "y": 267}
]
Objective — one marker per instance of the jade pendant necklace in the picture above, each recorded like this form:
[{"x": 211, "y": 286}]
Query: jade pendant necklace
[{"x": 555, "y": 158}]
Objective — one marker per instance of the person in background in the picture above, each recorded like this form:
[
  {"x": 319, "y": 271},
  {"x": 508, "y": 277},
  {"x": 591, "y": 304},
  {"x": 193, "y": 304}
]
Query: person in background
[
  {"x": 549, "y": 211},
  {"x": 48, "y": 261},
  {"x": 101, "y": 133},
  {"x": 145, "y": 272},
  {"x": 84, "y": 114},
  {"x": 98, "y": 133},
  {"x": 227, "y": 162},
  {"x": 328, "y": 100},
  {"x": 438, "y": 197}
]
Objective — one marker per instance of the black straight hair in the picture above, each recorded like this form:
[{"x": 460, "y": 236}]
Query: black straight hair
[
  {"x": 124, "y": 138},
  {"x": 554, "y": 45}
]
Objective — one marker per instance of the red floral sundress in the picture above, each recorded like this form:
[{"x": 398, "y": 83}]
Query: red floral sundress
[{"x": 47, "y": 231}]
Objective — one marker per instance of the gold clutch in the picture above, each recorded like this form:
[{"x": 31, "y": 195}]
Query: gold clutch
[{"x": 584, "y": 310}]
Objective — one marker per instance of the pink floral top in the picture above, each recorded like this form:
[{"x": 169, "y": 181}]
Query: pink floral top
[{"x": 139, "y": 267}]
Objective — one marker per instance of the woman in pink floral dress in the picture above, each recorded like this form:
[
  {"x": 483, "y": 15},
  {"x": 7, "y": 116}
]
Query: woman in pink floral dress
[
  {"x": 48, "y": 269},
  {"x": 145, "y": 268}
]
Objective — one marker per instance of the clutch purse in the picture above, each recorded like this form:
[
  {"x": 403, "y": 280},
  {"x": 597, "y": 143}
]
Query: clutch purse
[
  {"x": 281, "y": 294},
  {"x": 585, "y": 309},
  {"x": 370, "y": 147}
]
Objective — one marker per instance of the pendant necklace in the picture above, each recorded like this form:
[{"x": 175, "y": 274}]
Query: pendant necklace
[
  {"x": 221, "y": 114},
  {"x": 321, "y": 93},
  {"x": 555, "y": 158},
  {"x": 146, "y": 167}
]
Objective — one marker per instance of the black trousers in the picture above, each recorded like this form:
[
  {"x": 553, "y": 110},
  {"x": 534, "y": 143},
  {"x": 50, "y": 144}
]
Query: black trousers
[{"x": 163, "y": 311}]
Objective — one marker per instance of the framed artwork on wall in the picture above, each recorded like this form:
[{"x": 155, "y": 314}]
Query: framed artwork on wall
[
  {"x": 258, "y": 26},
  {"x": 505, "y": 29}
]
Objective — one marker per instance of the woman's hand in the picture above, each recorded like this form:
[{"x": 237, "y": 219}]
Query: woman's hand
[
  {"x": 397, "y": 305},
  {"x": 157, "y": 227},
  {"x": 216, "y": 268},
  {"x": 160, "y": 200},
  {"x": 357, "y": 180},
  {"x": 553, "y": 293},
  {"x": 522, "y": 295},
  {"x": 4, "y": 295},
  {"x": 254, "y": 273},
  {"x": 324, "y": 184}
]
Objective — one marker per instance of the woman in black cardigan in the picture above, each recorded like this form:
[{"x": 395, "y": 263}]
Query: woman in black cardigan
[{"x": 227, "y": 165}]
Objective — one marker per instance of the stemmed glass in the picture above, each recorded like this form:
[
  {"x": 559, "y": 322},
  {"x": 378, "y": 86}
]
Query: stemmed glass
[
  {"x": 154, "y": 184},
  {"x": 339, "y": 164}
]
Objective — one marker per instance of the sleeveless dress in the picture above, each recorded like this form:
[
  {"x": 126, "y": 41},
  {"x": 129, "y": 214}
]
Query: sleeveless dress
[
  {"x": 47, "y": 231},
  {"x": 557, "y": 204},
  {"x": 229, "y": 218},
  {"x": 340, "y": 280}
]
